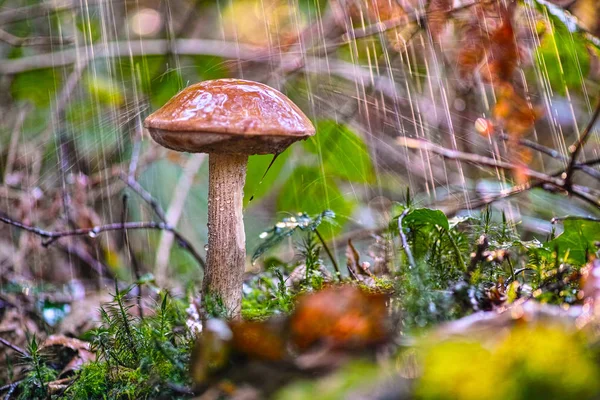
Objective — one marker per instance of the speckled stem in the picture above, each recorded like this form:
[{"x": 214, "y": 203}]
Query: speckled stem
[{"x": 226, "y": 254}]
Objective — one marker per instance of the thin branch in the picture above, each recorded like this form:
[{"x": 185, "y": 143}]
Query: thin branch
[
  {"x": 17, "y": 41},
  {"x": 342, "y": 69},
  {"x": 14, "y": 347},
  {"x": 135, "y": 48},
  {"x": 330, "y": 255},
  {"x": 144, "y": 195},
  {"x": 10, "y": 388},
  {"x": 475, "y": 159},
  {"x": 42, "y": 9},
  {"x": 577, "y": 147},
  {"x": 386, "y": 25},
  {"x": 133, "y": 259},
  {"x": 53, "y": 236},
  {"x": 536, "y": 146},
  {"x": 405, "y": 246},
  {"x": 84, "y": 256},
  {"x": 574, "y": 218},
  {"x": 594, "y": 173},
  {"x": 543, "y": 179},
  {"x": 153, "y": 203}
]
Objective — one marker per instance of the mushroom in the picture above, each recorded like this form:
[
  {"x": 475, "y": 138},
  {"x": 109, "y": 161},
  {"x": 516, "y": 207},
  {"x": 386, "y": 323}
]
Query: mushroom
[{"x": 229, "y": 119}]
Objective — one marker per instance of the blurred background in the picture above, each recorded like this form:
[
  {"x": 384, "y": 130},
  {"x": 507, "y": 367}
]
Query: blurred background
[{"x": 77, "y": 78}]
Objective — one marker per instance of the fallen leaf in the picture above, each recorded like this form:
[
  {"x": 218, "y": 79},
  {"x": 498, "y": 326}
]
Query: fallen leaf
[{"x": 339, "y": 317}]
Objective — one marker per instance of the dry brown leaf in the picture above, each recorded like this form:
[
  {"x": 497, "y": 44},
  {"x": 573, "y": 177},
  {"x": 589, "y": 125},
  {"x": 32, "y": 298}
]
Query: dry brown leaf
[
  {"x": 339, "y": 317},
  {"x": 67, "y": 354}
]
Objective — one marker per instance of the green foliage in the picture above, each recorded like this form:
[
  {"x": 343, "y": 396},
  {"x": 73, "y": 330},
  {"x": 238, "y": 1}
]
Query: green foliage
[
  {"x": 37, "y": 87},
  {"x": 564, "y": 57},
  {"x": 309, "y": 190},
  {"x": 35, "y": 385},
  {"x": 267, "y": 294},
  {"x": 262, "y": 173},
  {"x": 136, "y": 358},
  {"x": 577, "y": 242},
  {"x": 343, "y": 153}
]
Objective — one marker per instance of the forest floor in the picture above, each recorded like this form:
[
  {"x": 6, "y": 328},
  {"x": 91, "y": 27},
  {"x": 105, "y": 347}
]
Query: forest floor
[{"x": 433, "y": 308}]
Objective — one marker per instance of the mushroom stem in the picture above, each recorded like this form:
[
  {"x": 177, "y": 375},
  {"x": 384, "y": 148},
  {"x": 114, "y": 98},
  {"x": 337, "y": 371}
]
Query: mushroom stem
[{"x": 226, "y": 254}]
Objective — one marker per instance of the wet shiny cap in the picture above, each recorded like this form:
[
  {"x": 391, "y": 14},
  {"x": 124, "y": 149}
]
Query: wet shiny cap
[{"x": 229, "y": 116}]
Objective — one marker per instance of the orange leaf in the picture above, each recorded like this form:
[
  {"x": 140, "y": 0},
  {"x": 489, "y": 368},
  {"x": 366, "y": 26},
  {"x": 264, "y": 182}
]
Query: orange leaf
[{"x": 341, "y": 317}]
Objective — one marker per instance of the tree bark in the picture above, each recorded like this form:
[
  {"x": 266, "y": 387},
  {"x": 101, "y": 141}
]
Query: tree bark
[{"x": 226, "y": 253}]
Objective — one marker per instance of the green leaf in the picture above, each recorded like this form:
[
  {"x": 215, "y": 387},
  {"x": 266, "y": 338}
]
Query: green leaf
[
  {"x": 164, "y": 87},
  {"x": 564, "y": 57},
  {"x": 256, "y": 186},
  {"x": 344, "y": 153},
  {"x": 210, "y": 67},
  {"x": 104, "y": 90},
  {"x": 577, "y": 240},
  {"x": 312, "y": 8},
  {"x": 308, "y": 191},
  {"x": 426, "y": 216},
  {"x": 38, "y": 86}
]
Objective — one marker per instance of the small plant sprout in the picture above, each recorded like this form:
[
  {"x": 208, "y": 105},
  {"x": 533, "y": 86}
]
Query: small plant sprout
[{"x": 229, "y": 119}]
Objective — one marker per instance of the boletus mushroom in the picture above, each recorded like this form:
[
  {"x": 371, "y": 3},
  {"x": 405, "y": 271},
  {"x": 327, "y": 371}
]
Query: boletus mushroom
[{"x": 229, "y": 119}]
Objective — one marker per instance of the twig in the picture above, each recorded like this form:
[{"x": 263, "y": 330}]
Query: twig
[
  {"x": 17, "y": 41},
  {"x": 53, "y": 236},
  {"x": 10, "y": 388},
  {"x": 14, "y": 347},
  {"x": 536, "y": 146},
  {"x": 556, "y": 155},
  {"x": 405, "y": 246},
  {"x": 135, "y": 48},
  {"x": 475, "y": 159},
  {"x": 82, "y": 254},
  {"x": 574, "y": 218},
  {"x": 44, "y": 8},
  {"x": 174, "y": 212},
  {"x": 144, "y": 195},
  {"x": 330, "y": 255},
  {"x": 219, "y": 48},
  {"x": 153, "y": 203},
  {"x": 134, "y": 261},
  {"x": 386, "y": 25},
  {"x": 577, "y": 147}
]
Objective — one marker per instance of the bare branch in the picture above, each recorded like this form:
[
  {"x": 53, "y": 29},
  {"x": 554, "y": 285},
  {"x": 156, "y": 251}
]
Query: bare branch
[
  {"x": 17, "y": 41},
  {"x": 16, "y": 348},
  {"x": 42, "y": 9},
  {"x": 475, "y": 159},
  {"x": 53, "y": 236},
  {"x": 386, "y": 25},
  {"x": 544, "y": 180},
  {"x": 584, "y": 167},
  {"x": 153, "y": 203},
  {"x": 577, "y": 147},
  {"x": 574, "y": 218}
]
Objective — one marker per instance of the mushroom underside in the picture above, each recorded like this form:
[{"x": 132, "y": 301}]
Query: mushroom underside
[{"x": 228, "y": 143}]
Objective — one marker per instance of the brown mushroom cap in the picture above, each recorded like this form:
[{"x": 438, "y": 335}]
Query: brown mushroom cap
[{"x": 229, "y": 116}]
